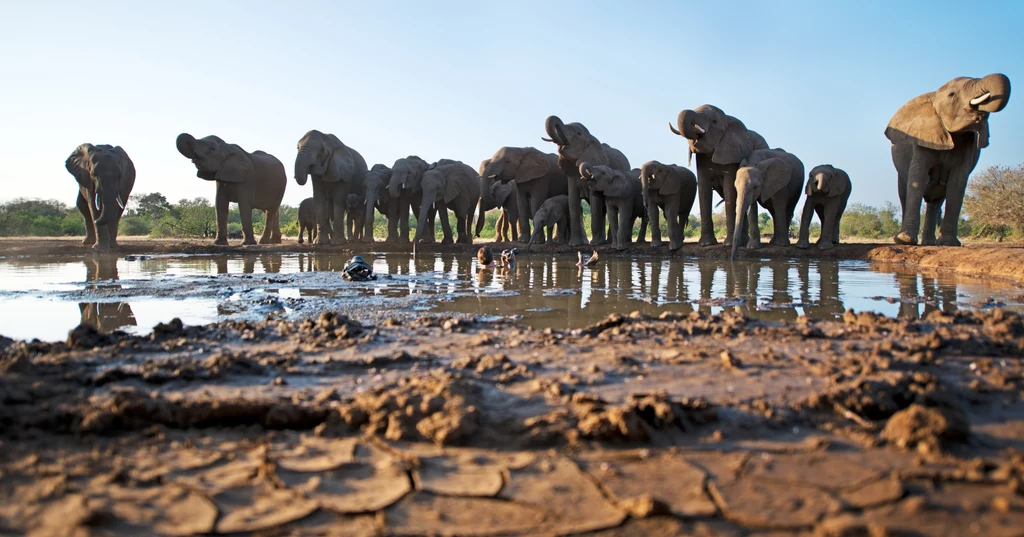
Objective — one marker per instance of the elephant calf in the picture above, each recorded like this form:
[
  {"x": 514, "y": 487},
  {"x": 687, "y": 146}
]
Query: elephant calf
[
  {"x": 307, "y": 219},
  {"x": 105, "y": 178},
  {"x": 773, "y": 178},
  {"x": 553, "y": 211},
  {"x": 356, "y": 216},
  {"x": 623, "y": 198},
  {"x": 500, "y": 196},
  {"x": 672, "y": 189},
  {"x": 828, "y": 190}
]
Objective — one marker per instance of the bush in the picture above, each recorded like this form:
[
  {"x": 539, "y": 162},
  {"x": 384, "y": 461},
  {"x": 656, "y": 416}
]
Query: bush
[
  {"x": 995, "y": 201},
  {"x": 865, "y": 221},
  {"x": 133, "y": 226}
]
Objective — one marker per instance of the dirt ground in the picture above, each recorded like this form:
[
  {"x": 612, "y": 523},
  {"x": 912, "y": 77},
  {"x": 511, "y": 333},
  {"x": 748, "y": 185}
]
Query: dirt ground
[{"x": 676, "y": 425}]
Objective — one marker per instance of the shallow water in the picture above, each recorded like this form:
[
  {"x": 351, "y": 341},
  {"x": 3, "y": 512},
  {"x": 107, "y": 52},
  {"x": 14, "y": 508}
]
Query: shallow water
[{"x": 44, "y": 297}]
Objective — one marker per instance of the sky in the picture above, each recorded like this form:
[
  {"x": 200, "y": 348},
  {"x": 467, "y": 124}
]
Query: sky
[{"x": 459, "y": 80}]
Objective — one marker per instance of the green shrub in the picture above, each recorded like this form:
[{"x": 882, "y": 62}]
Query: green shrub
[{"x": 133, "y": 226}]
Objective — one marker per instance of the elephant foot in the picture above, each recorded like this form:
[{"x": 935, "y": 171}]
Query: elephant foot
[
  {"x": 824, "y": 245},
  {"x": 708, "y": 240},
  {"x": 675, "y": 246},
  {"x": 905, "y": 239},
  {"x": 575, "y": 241},
  {"x": 89, "y": 242},
  {"x": 657, "y": 244},
  {"x": 619, "y": 247},
  {"x": 753, "y": 245},
  {"x": 447, "y": 240},
  {"x": 524, "y": 240},
  {"x": 101, "y": 247},
  {"x": 949, "y": 240},
  {"x": 337, "y": 242},
  {"x": 928, "y": 241},
  {"x": 221, "y": 242},
  {"x": 805, "y": 244},
  {"x": 783, "y": 241},
  {"x": 599, "y": 242},
  {"x": 249, "y": 242}
]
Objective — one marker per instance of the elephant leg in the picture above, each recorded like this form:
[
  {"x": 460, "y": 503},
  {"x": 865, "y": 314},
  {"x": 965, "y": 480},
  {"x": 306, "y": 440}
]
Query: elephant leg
[
  {"x": 221, "y": 204},
  {"x": 652, "y": 211},
  {"x": 917, "y": 180},
  {"x": 392, "y": 218},
  {"x": 301, "y": 230},
  {"x": 623, "y": 218},
  {"x": 506, "y": 226},
  {"x": 729, "y": 193},
  {"x": 780, "y": 237},
  {"x": 675, "y": 224},
  {"x": 576, "y": 235},
  {"x": 267, "y": 236},
  {"x": 642, "y": 234},
  {"x": 323, "y": 214},
  {"x": 562, "y": 234},
  {"x": 245, "y": 211},
  {"x": 402, "y": 212},
  {"x": 704, "y": 191},
  {"x": 90, "y": 224},
  {"x": 754, "y": 231},
  {"x": 931, "y": 222},
  {"x": 805, "y": 225},
  {"x": 515, "y": 224},
  {"x": 446, "y": 227},
  {"x": 336, "y": 207},
  {"x": 526, "y": 211},
  {"x": 597, "y": 220},
  {"x": 828, "y": 223},
  {"x": 837, "y": 218}
]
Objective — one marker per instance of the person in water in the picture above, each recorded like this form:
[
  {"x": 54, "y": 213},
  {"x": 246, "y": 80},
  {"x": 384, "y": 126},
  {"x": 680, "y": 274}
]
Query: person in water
[{"x": 485, "y": 257}]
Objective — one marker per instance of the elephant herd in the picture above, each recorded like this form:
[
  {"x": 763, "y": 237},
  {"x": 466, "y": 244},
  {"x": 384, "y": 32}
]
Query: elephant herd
[{"x": 936, "y": 140}]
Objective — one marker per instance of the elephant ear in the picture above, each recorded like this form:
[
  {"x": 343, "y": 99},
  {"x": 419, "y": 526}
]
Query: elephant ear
[
  {"x": 918, "y": 123},
  {"x": 620, "y": 187},
  {"x": 237, "y": 168},
  {"x": 775, "y": 173},
  {"x": 735, "y": 145},
  {"x": 77, "y": 164},
  {"x": 127, "y": 167},
  {"x": 452, "y": 187},
  {"x": 671, "y": 184},
  {"x": 840, "y": 183},
  {"x": 532, "y": 165}
]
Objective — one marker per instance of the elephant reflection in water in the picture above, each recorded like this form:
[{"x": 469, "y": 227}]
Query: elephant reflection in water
[
  {"x": 916, "y": 287},
  {"x": 829, "y": 305},
  {"x": 271, "y": 264},
  {"x": 105, "y": 316}
]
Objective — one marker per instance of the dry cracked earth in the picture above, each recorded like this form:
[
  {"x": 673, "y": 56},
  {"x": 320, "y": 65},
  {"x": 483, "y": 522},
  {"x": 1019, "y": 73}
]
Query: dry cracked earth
[{"x": 677, "y": 425}]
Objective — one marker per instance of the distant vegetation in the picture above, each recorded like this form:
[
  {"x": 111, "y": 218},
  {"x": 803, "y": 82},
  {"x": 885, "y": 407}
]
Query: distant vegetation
[{"x": 993, "y": 209}]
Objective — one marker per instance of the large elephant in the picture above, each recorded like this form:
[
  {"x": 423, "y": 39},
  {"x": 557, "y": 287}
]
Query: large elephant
[
  {"x": 252, "y": 180},
  {"x": 623, "y": 196},
  {"x": 720, "y": 142},
  {"x": 936, "y": 141},
  {"x": 536, "y": 175},
  {"x": 307, "y": 219},
  {"x": 337, "y": 171},
  {"x": 105, "y": 178},
  {"x": 672, "y": 189},
  {"x": 449, "y": 184},
  {"x": 377, "y": 197},
  {"x": 404, "y": 185},
  {"x": 554, "y": 211},
  {"x": 501, "y": 196},
  {"x": 575, "y": 146},
  {"x": 828, "y": 190},
  {"x": 774, "y": 178}
]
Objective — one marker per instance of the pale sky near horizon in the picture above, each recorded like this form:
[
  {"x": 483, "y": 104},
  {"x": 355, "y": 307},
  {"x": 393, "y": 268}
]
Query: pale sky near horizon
[{"x": 459, "y": 80}]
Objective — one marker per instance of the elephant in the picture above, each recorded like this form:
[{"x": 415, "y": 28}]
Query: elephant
[
  {"x": 720, "y": 142},
  {"x": 307, "y": 219},
  {"x": 337, "y": 170},
  {"x": 936, "y": 140},
  {"x": 623, "y": 196},
  {"x": 449, "y": 184},
  {"x": 575, "y": 146},
  {"x": 355, "y": 209},
  {"x": 536, "y": 175},
  {"x": 554, "y": 210},
  {"x": 673, "y": 189},
  {"x": 774, "y": 178},
  {"x": 828, "y": 190},
  {"x": 376, "y": 196},
  {"x": 252, "y": 180},
  {"x": 105, "y": 178},
  {"x": 404, "y": 186},
  {"x": 500, "y": 196}
]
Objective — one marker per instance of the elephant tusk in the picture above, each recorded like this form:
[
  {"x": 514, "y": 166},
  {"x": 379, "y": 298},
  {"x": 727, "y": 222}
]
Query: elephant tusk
[
  {"x": 699, "y": 129},
  {"x": 546, "y": 139},
  {"x": 96, "y": 200},
  {"x": 492, "y": 176},
  {"x": 120, "y": 202},
  {"x": 979, "y": 100}
]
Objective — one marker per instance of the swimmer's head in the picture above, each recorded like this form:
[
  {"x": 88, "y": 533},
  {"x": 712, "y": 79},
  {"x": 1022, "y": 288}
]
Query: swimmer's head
[{"x": 485, "y": 256}]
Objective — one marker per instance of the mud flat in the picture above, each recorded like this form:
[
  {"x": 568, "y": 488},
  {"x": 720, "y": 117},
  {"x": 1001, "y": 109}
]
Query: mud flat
[{"x": 676, "y": 425}]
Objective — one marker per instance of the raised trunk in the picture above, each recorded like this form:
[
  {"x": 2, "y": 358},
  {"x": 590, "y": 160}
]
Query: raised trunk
[
  {"x": 184, "y": 143},
  {"x": 998, "y": 87},
  {"x": 303, "y": 161},
  {"x": 685, "y": 123},
  {"x": 553, "y": 126}
]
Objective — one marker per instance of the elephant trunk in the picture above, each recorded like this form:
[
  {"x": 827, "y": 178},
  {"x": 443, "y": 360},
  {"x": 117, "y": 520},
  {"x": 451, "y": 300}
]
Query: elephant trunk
[
  {"x": 303, "y": 161},
  {"x": 109, "y": 201},
  {"x": 426, "y": 207},
  {"x": 185, "y": 143},
  {"x": 687, "y": 124},
  {"x": 371, "y": 202},
  {"x": 992, "y": 92},
  {"x": 820, "y": 180},
  {"x": 553, "y": 126},
  {"x": 481, "y": 217},
  {"x": 743, "y": 201}
]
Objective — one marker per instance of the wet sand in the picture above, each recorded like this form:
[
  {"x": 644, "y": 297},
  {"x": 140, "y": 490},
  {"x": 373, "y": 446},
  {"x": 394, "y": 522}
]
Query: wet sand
[{"x": 677, "y": 425}]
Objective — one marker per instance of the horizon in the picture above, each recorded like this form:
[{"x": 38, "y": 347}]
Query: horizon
[{"x": 460, "y": 80}]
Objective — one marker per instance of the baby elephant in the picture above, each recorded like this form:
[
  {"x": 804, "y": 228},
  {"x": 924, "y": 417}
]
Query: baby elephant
[
  {"x": 355, "y": 216},
  {"x": 554, "y": 210},
  {"x": 672, "y": 189},
  {"x": 307, "y": 219},
  {"x": 623, "y": 199},
  {"x": 828, "y": 189}
]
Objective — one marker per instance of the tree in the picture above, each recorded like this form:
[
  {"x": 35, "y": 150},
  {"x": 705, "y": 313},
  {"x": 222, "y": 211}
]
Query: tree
[
  {"x": 153, "y": 205},
  {"x": 995, "y": 200}
]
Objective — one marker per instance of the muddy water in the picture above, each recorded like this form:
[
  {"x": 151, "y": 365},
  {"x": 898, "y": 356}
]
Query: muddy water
[{"x": 44, "y": 297}]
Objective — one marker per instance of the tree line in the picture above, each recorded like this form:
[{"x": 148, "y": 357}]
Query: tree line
[{"x": 993, "y": 209}]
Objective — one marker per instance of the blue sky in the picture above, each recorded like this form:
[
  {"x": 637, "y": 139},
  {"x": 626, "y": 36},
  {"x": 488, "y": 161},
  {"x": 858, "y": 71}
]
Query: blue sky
[{"x": 461, "y": 79}]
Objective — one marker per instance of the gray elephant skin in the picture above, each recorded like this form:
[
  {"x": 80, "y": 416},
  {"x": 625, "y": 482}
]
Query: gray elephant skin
[
  {"x": 376, "y": 196},
  {"x": 575, "y": 146},
  {"x": 535, "y": 174},
  {"x": 828, "y": 189},
  {"x": 622, "y": 193},
  {"x": 936, "y": 140},
  {"x": 355, "y": 212},
  {"x": 773, "y": 178},
  {"x": 501, "y": 196},
  {"x": 449, "y": 184},
  {"x": 307, "y": 219},
  {"x": 252, "y": 180},
  {"x": 405, "y": 187},
  {"x": 672, "y": 189},
  {"x": 105, "y": 177},
  {"x": 720, "y": 142},
  {"x": 553, "y": 212},
  {"x": 337, "y": 170}
]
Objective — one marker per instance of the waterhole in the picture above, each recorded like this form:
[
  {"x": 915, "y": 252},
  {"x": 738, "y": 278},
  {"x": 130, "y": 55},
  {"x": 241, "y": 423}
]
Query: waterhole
[{"x": 44, "y": 297}]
